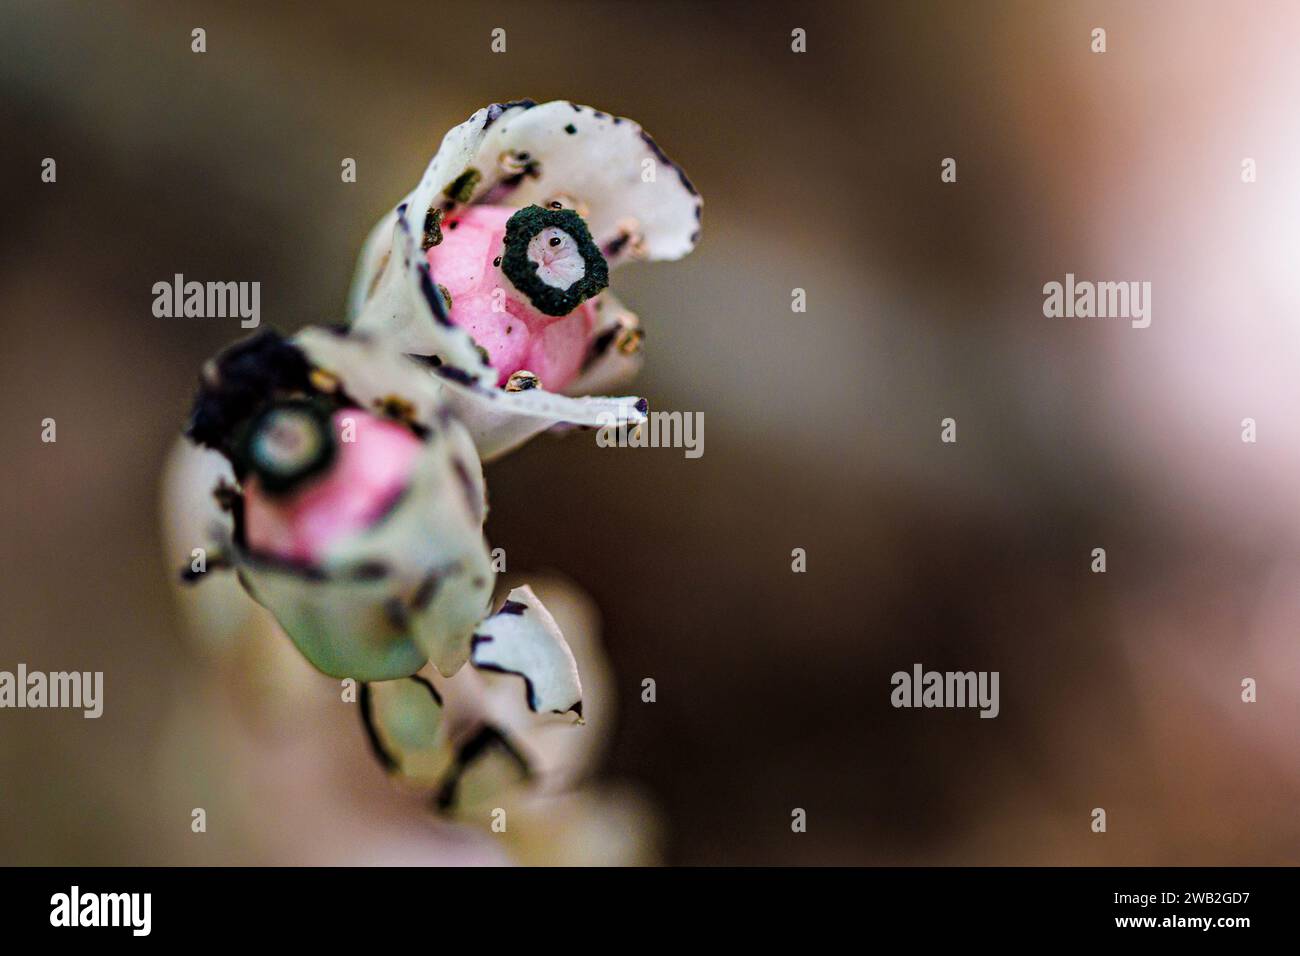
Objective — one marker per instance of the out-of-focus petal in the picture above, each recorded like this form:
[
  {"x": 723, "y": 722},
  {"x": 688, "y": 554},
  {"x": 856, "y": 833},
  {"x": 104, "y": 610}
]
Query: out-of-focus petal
[
  {"x": 343, "y": 626},
  {"x": 598, "y": 825},
  {"x": 413, "y": 586},
  {"x": 487, "y": 767},
  {"x": 374, "y": 372},
  {"x": 219, "y": 611},
  {"x": 404, "y": 718},
  {"x": 376, "y": 603}
]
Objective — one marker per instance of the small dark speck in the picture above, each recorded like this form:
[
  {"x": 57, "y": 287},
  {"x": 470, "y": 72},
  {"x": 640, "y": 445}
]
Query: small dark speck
[
  {"x": 570, "y": 129},
  {"x": 616, "y": 244},
  {"x": 455, "y": 374},
  {"x": 496, "y": 261},
  {"x": 509, "y": 329},
  {"x": 453, "y": 224}
]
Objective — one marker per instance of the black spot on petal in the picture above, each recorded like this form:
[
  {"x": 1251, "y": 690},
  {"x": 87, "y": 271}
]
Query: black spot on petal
[{"x": 496, "y": 109}]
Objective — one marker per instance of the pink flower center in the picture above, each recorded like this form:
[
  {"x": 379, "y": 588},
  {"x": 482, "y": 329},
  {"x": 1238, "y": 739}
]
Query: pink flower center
[
  {"x": 371, "y": 468},
  {"x": 502, "y": 320}
]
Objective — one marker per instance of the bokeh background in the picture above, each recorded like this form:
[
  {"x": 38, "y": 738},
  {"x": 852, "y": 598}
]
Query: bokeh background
[{"x": 819, "y": 171}]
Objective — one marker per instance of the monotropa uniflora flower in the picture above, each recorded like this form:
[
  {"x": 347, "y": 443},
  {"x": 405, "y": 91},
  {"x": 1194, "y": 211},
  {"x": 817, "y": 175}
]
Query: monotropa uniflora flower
[
  {"x": 349, "y": 501},
  {"x": 496, "y": 266}
]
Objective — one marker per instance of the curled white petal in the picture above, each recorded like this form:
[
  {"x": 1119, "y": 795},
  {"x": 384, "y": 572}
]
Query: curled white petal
[
  {"x": 501, "y": 421},
  {"x": 608, "y": 165},
  {"x": 370, "y": 264},
  {"x": 523, "y": 639}
]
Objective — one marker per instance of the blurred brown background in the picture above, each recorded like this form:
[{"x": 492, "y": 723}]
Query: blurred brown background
[{"x": 819, "y": 171}]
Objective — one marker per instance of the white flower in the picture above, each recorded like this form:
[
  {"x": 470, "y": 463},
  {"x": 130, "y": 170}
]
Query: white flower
[
  {"x": 497, "y": 261},
  {"x": 352, "y": 508}
]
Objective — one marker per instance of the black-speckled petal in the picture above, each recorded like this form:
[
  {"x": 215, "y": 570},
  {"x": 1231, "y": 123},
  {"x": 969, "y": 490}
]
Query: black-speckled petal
[{"x": 523, "y": 639}]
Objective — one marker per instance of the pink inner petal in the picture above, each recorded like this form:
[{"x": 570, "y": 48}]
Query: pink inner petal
[{"x": 515, "y": 334}]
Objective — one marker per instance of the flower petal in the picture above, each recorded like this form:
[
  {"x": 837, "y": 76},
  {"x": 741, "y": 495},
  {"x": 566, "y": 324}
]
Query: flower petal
[
  {"x": 374, "y": 371},
  {"x": 394, "y": 291},
  {"x": 411, "y": 588},
  {"x": 601, "y": 163},
  {"x": 614, "y": 356},
  {"x": 441, "y": 572},
  {"x": 560, "y": 752},
  {"x": 341, "y": 625},
  {"x": 370, "y": 264},
  {"x": 405, "y": 305},
  {"x": 219, "y": 612},
  {"x": 523, "y": 639},
  {"x": 501, "y": 421},
  {"x": 405, "y": 720},
  {"x": 487, "y": 765}
]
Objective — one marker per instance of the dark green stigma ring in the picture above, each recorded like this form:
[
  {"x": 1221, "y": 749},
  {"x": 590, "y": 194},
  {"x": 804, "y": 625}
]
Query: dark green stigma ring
[
  {"x": 288, "y": 443},
  {"x": 521, "y": 228}
]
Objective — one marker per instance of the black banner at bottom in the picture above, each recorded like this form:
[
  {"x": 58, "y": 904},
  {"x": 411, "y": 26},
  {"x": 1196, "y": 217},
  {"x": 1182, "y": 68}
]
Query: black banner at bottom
[{"x": 303, "y": 905}]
